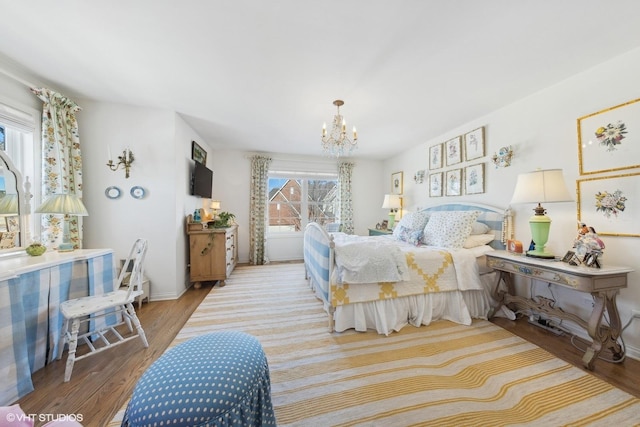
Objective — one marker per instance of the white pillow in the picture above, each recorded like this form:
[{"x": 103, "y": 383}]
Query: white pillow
[
  {"x": 412, "y": 221},
  {"x": 479, "y": 228},
  {"x": 475, "y": 240},
  {"x": 449, "y": 229}
]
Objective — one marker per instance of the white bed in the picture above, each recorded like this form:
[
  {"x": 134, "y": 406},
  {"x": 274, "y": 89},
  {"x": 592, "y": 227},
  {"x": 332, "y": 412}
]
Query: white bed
[{"x": 444, "y": 281}]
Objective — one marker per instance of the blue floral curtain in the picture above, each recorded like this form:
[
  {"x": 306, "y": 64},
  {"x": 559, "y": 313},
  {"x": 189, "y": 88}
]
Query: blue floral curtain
[
  {"x": 258, "y": 206},
  {"x": 62, "y": 162},
  {"x": 345, "y": 173}
]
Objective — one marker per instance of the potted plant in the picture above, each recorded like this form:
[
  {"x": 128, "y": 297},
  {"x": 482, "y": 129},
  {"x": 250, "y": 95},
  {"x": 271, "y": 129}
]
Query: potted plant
[{"x": 223, "y": 220}]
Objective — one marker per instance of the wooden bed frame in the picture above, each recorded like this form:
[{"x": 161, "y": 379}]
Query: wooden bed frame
[{"x": 319, "y": 247}]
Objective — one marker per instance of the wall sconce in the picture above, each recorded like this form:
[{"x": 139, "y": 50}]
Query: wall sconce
[
  {"x": 125, "y": 161},
  {"x": 502, "y": 158}
]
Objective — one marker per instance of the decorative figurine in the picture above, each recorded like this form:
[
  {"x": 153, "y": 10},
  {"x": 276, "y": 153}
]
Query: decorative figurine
[{"x": 588, "y": 245}]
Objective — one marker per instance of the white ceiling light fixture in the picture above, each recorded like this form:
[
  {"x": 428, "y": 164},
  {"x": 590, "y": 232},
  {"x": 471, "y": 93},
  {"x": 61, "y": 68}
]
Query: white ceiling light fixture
[{"x": 337, "y": 143}]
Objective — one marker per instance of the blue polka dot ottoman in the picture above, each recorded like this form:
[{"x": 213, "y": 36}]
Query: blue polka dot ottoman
[{"x": 217, "y": 379}]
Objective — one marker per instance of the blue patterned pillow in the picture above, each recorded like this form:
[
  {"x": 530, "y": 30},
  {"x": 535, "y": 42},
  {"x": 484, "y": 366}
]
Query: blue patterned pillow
[
  {"x": 415, "y": 237},
  {"x": 449, "y": 229},
  {"x": 414, "y": 221}
]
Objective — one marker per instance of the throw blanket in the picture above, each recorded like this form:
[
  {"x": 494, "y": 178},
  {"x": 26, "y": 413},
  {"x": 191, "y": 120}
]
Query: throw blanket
[
  {"x": 431, "y": 270},
  {"x": 369, "y": 259}
]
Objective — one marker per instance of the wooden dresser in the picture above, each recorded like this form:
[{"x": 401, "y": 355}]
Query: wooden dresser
[{"x": 213, "y": 253}]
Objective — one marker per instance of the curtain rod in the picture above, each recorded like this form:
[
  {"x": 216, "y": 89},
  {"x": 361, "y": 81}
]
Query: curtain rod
[{"x": 18, "y": 79}]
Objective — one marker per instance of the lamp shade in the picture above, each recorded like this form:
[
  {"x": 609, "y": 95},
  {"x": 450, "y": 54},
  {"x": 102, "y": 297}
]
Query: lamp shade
[
  {"x": 9, "y": 204},
  {"x": 215, "y": 204},
  {"x": 542, "y": 186},
  {"x": 391, "y": 201},
  {"x": 67, "y": 204}
]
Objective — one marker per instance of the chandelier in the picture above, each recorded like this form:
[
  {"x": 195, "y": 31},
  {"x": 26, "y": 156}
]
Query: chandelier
[{"x": 337, "y": 143}]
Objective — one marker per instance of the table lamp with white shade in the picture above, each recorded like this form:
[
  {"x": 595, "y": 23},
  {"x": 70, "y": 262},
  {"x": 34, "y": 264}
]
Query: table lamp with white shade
[
  {"x": 215, "y": 207},
  {"x": 541, "y": 186},
  {"x": 67, "y": 205},
  {"x": 393, "y": 203}
]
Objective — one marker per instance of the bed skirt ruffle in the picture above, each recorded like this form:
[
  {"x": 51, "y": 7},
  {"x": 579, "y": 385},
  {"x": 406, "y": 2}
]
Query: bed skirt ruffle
[{"x": 386, "y": 316}]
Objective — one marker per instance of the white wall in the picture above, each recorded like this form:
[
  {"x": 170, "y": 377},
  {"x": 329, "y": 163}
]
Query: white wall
[
  {"x": 542, "y": 130},
  {"x": 149, "y": 133}
]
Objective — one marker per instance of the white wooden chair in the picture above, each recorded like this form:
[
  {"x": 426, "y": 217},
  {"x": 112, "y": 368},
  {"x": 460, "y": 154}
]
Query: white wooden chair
[{"x": 86, "y": 309}]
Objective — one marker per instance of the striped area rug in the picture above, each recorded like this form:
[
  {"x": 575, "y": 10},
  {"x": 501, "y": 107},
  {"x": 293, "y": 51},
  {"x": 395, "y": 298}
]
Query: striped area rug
[{"x": 439, "y": 375}]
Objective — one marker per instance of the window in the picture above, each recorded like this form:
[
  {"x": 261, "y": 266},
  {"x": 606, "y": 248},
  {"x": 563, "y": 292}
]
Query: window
[{"x": 294, "y": 201}]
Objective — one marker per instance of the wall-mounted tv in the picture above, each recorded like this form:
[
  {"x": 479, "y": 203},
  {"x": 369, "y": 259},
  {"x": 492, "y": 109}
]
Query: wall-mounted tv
[{"x": 201, "y": 181}]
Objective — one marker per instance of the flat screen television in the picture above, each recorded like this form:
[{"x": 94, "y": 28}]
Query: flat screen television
[{"x": 201, "y": 181}]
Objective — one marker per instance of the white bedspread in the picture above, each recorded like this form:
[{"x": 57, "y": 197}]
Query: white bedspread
[{"x": 369, "y": 259}]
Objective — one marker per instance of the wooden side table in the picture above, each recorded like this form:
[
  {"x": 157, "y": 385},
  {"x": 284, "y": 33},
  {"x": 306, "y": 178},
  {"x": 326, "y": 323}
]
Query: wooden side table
[
  {"x": 602, "y": 283},
  {"x": 213, "y": 253}
]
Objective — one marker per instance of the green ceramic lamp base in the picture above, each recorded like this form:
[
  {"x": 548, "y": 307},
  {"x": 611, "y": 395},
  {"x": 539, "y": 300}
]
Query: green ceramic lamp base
[
  {"x": 540, "y": 225},
  {"x": 392, "y": 221}
]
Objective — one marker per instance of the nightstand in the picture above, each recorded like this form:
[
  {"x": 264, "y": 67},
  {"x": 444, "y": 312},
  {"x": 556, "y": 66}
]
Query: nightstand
[
  {"x": 602, "y": 283},
  {"x": 376, "y": 232}
]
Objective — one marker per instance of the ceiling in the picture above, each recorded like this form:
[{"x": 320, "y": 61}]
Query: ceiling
[{"x": 262, "y": 75}]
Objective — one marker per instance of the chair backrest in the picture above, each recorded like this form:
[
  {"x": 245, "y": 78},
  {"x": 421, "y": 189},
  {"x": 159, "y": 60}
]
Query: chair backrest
[{"x": 136, "y": 259}]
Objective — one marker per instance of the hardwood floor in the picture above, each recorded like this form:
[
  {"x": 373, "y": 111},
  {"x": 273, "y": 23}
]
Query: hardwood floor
[
  {"x": 101, "y": 384},
  {"x": 625, "y": 375}
]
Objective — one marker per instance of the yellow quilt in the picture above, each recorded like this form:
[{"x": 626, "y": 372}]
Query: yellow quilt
[{"x": 431, "y": 270}]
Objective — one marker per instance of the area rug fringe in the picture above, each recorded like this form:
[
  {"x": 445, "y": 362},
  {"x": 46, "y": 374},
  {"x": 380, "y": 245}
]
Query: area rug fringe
[{"x": 443, "y": 374}]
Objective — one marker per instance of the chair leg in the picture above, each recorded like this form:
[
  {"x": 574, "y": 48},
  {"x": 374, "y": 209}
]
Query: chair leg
[
  {"x": 73, "y": 344},
  {"x": 126, "y": 316},
  {"x": 136, "y": 323},
  {"x": 62, "y": 340}
]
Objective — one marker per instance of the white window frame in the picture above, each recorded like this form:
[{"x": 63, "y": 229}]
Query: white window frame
[{"x": 305, "y": 177}]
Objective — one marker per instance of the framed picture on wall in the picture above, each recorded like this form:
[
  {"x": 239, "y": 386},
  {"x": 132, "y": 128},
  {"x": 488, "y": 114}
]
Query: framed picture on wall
[
  {"x": 435, "y": 184},
  {"x": 453, "y": 182},
  {"x": 609, "y": 140},
  {"x": 609, "y": 204},
  {"x": 435, "y": 157},
  {"x": 198, "y": 154},
  {"x": 474, "y": 179},
  {"x": 453, "y": 151},
  {"x": 396, "y": 183},
  {"x": 474, "y": 144}
]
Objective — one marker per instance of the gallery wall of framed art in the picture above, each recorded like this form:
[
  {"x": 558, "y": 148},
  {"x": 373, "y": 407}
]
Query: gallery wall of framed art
[{"x": 455, "y": 165}]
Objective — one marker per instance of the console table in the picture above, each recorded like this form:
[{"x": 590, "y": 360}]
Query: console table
[
  {"x": 602, "y": 283},
  {"x": 31, "y": 290}
]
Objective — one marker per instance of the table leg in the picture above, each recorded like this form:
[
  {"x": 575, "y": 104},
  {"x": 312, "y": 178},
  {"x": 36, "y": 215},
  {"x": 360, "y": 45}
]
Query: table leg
[
  {"x": 603, "y": 336},
  {"x": 499, "y": 295}
]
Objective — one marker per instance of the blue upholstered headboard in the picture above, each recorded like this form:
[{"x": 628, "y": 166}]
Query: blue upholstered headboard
[{"x": 498, "y": 220}]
